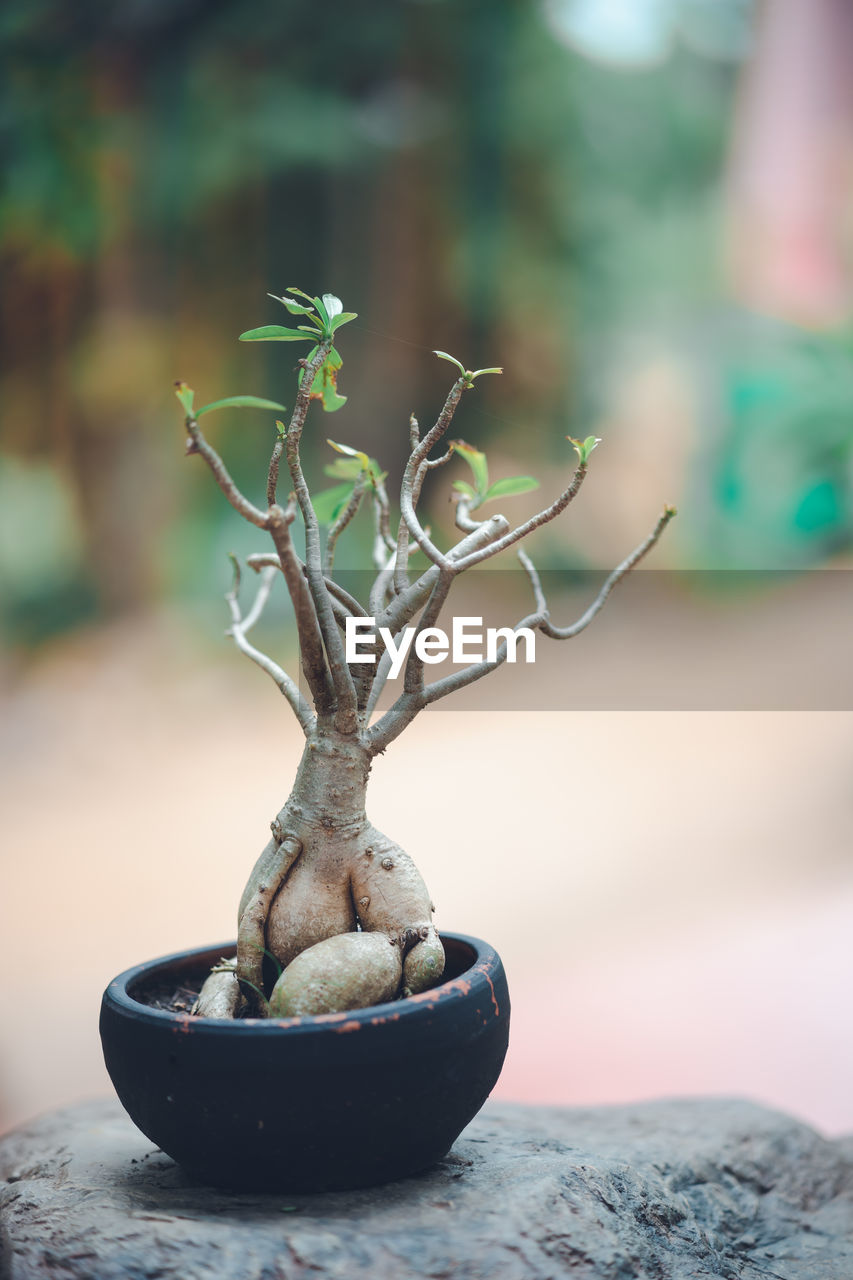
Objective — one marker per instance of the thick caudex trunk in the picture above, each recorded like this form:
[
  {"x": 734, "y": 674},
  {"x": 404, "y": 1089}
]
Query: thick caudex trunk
[{"x": 338, "y": 906}]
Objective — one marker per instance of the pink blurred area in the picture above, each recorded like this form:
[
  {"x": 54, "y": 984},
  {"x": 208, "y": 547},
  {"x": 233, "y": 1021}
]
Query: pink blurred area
[
  {"x": 789, "y": 179},
  {"x": 671, "y": 892}
]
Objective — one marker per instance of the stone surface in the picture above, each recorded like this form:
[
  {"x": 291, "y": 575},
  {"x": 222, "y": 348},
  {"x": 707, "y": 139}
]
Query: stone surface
[{"x": 682, "y": 1189}]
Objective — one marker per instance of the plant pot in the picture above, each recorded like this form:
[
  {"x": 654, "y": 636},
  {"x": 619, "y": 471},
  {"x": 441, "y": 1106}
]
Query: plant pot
[{"x": 321, "y": 1103}]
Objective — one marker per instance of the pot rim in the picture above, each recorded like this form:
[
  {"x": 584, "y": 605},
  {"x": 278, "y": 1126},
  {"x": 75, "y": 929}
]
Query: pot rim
[{"x": 477, "y": 979}]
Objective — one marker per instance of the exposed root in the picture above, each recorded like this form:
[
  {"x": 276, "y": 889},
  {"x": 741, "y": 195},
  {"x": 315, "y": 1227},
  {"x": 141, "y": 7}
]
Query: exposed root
[
  {"x": 251, "y": 934},
  {"x": 424, "y": 964},
  {"x": 220, "y": 996},
  {"x": 349, "y": 971}
]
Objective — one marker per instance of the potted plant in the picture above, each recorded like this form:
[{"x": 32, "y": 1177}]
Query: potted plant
[{"x": 341, "y": 1042}]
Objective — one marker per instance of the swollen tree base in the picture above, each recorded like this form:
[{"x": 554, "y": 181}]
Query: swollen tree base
[{"x": 340, "y": 910}]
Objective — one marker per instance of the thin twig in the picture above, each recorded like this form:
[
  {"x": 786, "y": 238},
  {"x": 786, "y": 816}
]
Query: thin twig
[
  {"x": 198, "y": 444},
  {"x": 262, "y": 559},
  {"x": 410, "y": 476},
  {"x": 463, "y": 515},
  {"x": 566, "y": 633},
  {"x": 272, "y": 477},
  {"x": 342, "y": 521},
  {"x": 238, "y": 629},
  {"x": 535, "y": 522}
]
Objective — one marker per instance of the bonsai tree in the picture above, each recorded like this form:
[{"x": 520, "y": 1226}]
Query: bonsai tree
[{"x": 335, "y": 915}]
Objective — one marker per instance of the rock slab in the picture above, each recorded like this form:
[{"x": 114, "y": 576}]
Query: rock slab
[{"x": 676, "y": 1190}]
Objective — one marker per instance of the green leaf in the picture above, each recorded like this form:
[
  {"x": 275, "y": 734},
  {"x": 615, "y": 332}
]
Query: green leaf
[
  {"x": 334, "y": 306},
  {"x": 329, "y": 503},
  {"x": 442, "y": 355},
  {"x": 351, "y": 469},
  {"x": 325, "y": 385},
  {"x": 462, "y": 486},
  {"x": 320, "y": 308},
  {"x": 241, "y": 402},
  {"x": 585, "y": 447},
  {"x": 186, "y": 395},
  {"x": 343, "y": 318},
  {"x": 510, "y": 486},
  {"x": 361, "y": 458},
  {"x": 295, "y": 308},
  {"x": 478, "y": 373},
  {"x": 300, "y": 293},
  {"x": 273, "y": 333},
  {"x": 477, "y": 462}
]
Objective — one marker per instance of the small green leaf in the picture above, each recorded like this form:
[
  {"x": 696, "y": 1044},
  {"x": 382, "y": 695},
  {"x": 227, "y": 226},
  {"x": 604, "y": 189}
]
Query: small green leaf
[
  {"x": 310, "y": 329},
  {"x": 295, "y": 308},
  {"x": 351, "y": 469},
  {"x": 186, "y": 395},
  {"x": 478, "y": 373},
  {"x": 509, "y": 487},
  {"x": 300, "y": 293},
  {"x": 325, "y": 385},
  {"x": 320, "y": 308},
  {"x": 462, "y": 486},
  {"x": 241, "y": 402},
  {"x": 356, "y": 454},
  {"x": 583, "y": 448},
  {"x": 477, "y": 462},
  {"x": 273, "y": 333},
  {"x": 442, "y": 355},
  {"x": 343, "y": 318},
  {"x": 329, "y": 503},
  {"x": 334, "y": 306}
]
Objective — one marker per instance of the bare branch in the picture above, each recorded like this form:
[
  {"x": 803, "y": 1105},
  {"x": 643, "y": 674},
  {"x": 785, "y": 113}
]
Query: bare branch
[
  {"x": 401, "y": 577},
  {"x": 382, "y": 540},
  {"x": 410, "y": 701},
  {"x": 459, "y": 679},
  {"x": 262, "y": 559},
  {"x": 432, "y": 464},
  {"x": 343, "y": 597},
  {"x": 272, "y": 477},
  {"x": 392, "y": 724},
  {"x": 346, "y": 714},
  {"x": 538, "y": 594},
  {"x": 238, "y": 629},
  {"x": 463, "y": 515},
  {"x": 411, "y": 476},
  {"x": 535, "y": 522},
  {"x": 566, "y": 633},
  {"x": 342, "y": 521},
  {"x": 540, "y": 619},
  {"x": 383, "y": 667},
  {"x": 198, "y": 444},
  {"x": 381, "y": 586},
  {"x": 312, "y": 655},
  {"x": 405, "y": 605}
]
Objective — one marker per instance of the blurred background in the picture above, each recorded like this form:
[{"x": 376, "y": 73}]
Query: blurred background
[{"x": 642, "y": 210}]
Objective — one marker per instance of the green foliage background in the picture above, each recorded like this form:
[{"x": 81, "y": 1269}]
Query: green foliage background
[{"x": 461, "y": 179}]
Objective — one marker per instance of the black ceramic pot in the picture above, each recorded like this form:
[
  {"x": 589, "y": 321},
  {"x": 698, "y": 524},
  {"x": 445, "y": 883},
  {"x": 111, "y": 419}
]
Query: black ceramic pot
[{"x": 308, "y": 1104}]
